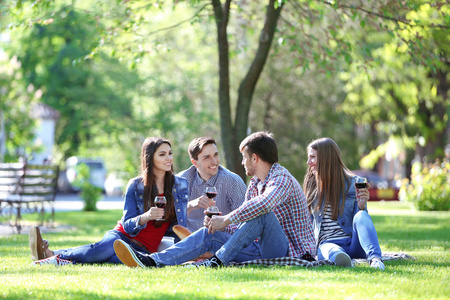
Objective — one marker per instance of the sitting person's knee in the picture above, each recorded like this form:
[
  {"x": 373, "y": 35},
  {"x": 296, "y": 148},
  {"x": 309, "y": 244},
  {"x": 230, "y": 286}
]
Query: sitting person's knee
[{"x": 360, "y": 215}]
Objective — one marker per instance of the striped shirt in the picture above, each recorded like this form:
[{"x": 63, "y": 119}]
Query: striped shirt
[
  {"x": 230, "y": 192},
  {"x": 282, "y": 194},
  {"x": 330, "y": 229}
]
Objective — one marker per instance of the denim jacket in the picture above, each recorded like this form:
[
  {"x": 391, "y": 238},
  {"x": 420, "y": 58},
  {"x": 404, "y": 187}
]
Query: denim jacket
[
  {"x": 134, "y": 206},
  {"x": 345, "y": 219}
]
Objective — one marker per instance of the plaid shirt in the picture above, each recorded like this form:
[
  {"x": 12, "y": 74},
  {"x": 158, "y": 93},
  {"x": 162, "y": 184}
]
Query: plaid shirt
[{"x": 282, "y": 194}]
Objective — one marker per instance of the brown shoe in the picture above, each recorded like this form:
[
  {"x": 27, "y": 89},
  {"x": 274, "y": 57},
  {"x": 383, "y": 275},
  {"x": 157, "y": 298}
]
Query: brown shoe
[
  {"x": 181, "y": 231},
  {"x": 37, "y": 244}
]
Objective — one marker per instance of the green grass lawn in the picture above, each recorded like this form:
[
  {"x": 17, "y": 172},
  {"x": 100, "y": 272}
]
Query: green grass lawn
[{"x": 424, "y": 235}]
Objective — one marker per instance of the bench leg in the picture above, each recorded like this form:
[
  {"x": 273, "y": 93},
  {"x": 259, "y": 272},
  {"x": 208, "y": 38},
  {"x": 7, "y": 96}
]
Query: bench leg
[{"x": 18, "y": 218}]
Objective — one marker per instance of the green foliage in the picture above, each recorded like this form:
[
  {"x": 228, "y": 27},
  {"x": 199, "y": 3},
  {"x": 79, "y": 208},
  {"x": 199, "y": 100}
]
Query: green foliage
[
  {"x": 397, "y": 98},
  {"x": 16, "y": 105},
  {"x": 429, "y": 188},
  {"x": 382, "y": 57},
  {"x": 89, "y": 193},
  {"x": 92, "y": 91},
  {"x": 299, "y": 107}
]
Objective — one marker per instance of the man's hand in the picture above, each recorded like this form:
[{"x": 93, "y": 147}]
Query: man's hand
[
  {"x": 217, "y": 223},
  {"x": 201, "y": 202}
]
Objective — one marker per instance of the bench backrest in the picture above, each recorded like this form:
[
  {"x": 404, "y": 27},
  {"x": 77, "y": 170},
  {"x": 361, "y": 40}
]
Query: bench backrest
[{"x": 28, "y": 182}]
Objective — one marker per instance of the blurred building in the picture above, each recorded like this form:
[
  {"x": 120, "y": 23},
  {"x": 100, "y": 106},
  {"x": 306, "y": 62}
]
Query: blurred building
[{"x": 46, "y": 118}]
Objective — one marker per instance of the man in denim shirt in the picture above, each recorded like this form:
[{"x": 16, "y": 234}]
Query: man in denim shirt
[
  {"x": 207, "y": 171},
  {"x": 275, "y": 212}
]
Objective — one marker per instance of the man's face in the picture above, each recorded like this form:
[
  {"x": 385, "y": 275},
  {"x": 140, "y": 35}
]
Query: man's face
[
  {"x": 208, "y": 161},
  {"x": 248, "y": 164}
]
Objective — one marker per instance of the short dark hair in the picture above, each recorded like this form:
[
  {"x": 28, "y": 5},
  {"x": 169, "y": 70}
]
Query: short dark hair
[
  {"x": 197, "y": 144},
  {"x": 262, "y": 144}
]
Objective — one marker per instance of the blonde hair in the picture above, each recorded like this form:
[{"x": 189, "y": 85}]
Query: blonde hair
[{"x": 327, "y": 183}]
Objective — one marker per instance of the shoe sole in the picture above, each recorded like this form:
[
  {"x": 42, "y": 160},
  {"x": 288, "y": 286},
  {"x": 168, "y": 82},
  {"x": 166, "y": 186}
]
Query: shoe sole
[
  {"x": 126, "y": 254},
  {"x": 343, "y": 260},
  {"x": 33, "y": 238}
]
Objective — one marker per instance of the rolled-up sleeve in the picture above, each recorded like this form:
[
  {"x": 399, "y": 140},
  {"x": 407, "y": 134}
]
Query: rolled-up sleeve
[{"x": 132, "y": 211}]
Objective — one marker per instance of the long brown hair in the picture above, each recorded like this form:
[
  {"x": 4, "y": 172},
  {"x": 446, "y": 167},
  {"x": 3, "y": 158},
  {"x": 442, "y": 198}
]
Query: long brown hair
[
  {"x": 149, "y": 147},
  {"x": 327, "y": 183}
]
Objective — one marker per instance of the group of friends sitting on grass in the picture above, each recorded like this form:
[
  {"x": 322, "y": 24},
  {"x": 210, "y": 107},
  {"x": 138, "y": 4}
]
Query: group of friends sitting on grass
[{"x": 273, "y": 217}]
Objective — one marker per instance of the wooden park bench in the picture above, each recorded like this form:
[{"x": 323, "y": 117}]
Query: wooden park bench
[{"x": 26, "y": 188}]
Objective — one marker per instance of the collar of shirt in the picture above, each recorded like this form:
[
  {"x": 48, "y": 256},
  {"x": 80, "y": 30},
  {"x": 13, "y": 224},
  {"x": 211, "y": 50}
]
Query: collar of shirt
[
  {"x": 255, "y": 180},
  {"x": 211, "y": 181}
]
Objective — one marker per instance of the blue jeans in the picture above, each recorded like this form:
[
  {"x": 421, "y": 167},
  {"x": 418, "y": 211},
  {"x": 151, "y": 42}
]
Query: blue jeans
[
  {"x": 101, "y": 252},
  {"x": 239, "y": 247},
  {"x": 362, "y": 244}
]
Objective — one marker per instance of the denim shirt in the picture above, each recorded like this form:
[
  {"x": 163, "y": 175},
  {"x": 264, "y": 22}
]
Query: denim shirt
[
  {"x": 134, "y": 206},
  {"x": 345, "y": 219}
]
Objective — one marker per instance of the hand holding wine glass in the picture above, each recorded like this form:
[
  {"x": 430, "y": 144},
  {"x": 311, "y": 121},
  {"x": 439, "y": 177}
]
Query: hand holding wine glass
[
  {"x": 360, "y": 183},
  {"x": 160, "y": 202}
]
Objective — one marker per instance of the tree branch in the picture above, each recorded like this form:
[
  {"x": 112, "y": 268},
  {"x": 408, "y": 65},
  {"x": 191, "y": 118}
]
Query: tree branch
[
  {"x": 397, "y": 20},
  {"x": 248, "y": 84},
  {"x": 179, "y": 23}
]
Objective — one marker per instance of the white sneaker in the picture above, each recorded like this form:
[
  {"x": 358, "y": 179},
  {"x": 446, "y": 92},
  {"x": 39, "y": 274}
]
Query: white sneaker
[
  {"x": 343, "y": 260},
  {"x": 52, "y": 260},
  {"x": 377, "y": 263},
  {"x": 212, "y": 262}
]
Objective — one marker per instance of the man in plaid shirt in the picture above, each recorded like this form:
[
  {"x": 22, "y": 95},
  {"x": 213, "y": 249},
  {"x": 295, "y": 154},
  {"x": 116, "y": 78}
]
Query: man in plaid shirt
[{"x": 275, "y": 214}]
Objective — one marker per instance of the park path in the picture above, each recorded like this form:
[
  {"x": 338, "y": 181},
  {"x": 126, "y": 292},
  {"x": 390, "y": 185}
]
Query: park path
[{"x": 68, "y": 202}]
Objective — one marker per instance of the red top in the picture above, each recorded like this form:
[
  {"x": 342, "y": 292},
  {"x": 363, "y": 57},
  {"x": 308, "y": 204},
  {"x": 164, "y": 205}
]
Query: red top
[{"x": 150, "y": 236}]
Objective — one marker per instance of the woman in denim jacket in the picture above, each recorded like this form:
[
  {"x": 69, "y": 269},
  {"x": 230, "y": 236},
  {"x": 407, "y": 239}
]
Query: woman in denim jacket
[
  {"x": 140, "y": 225},
  {"x": 343, "y": 229}
]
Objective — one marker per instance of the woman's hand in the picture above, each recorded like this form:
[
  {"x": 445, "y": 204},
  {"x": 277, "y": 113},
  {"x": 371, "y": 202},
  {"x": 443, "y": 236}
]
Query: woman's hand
[
  {"x": 363, "y": 196},
  {"x": 152, "y": 214}
]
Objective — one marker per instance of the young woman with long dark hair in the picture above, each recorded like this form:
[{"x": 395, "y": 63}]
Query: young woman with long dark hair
[
  {"x": 342, "y": 226},
  {"x": 140, "y": 226}
]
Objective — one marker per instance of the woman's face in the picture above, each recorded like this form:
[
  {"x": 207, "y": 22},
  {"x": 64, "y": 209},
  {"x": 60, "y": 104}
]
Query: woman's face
[
  {"x": 312, "y": 159},
  {"x": 162, "y": 159}
]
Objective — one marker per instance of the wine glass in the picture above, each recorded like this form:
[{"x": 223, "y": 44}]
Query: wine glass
[
  {"x": 211, "y": 193},
  {"x": 212, "y": 211},
  {"x": 360, "y": 183},
  {"x": 160, "y": 202}
]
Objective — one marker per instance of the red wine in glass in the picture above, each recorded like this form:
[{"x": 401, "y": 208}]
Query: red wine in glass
[
  {"x": 212, "y": 213},
  {"x": 361, "y": 185},
  {"x": 211, "y": 192},
  {"x": 160, "y": 202},
  {"x": 211, "y": 195},
  {"x": 160, "y": 205}
]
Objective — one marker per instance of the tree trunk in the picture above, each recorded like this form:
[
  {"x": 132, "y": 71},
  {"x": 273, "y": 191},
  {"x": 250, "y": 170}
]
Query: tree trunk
[
  {"x": 435, "y": 145},
  {"x": 221, "y": 16},
  {"x": 233, "y": 135}
]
